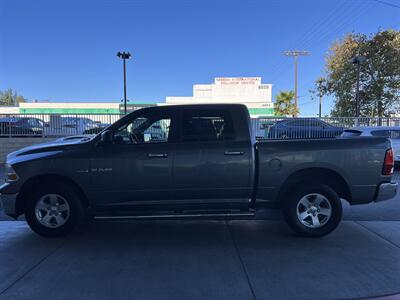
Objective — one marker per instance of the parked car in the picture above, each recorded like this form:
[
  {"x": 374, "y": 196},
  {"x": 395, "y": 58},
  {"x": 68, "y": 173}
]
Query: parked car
[
  {"x": 261, "y": 128},
  {"x": 393, "y": 133},
  {"x": 21, "y": 126},
  {"x": 206, "y": 164},
  {"x": 301, "y": 128},
  {"x": 8, "y": 126},
  {"x": 61, "y": 126},
  {"x": 78, "y": 124},
  {"x": 95, "y": 130}
]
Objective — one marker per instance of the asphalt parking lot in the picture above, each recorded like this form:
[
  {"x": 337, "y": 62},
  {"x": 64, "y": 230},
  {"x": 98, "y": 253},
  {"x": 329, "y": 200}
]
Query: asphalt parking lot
[{"x": 247, "y": 259}]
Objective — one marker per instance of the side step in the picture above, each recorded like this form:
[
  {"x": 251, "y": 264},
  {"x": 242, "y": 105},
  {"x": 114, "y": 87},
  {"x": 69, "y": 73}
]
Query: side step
[{"x": 177, "y": 216}]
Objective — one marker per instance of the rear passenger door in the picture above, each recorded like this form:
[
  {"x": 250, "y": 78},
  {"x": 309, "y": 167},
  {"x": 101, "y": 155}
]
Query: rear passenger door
[{"x": 211, "y": 164}]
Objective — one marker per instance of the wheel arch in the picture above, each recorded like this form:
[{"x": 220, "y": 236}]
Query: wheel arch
[
  {"x": 315, "y": 175},
  {"x": 29, "y": 185}
]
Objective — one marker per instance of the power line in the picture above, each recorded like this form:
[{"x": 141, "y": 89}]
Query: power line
[
  {"x": 343, "y": 11},
  {"x": 348, "y": 15},
  {"x": 307, "y": 102},
  {"x": 307, "y": 35},
  {"x": 345, "y": 22},
  {"x": 338, "y": 19},
  {"x": 387, "y": 3}
]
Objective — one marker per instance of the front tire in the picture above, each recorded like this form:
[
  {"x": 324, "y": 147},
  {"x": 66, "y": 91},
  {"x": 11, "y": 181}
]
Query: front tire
[
  {"x": 54, "y": 210},
  {"x": 313, "y": 210}
]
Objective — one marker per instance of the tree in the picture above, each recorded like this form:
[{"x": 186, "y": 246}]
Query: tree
[
  {"x": 284, "y": 104},
  {"x": 379, "y": 74},
  {"x": 10, "y": 98}
]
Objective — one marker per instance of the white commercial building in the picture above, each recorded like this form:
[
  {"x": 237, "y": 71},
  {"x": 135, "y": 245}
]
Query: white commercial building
[
  {"x": 246, "y": 90},
  {"x": 250, "y": 91}
]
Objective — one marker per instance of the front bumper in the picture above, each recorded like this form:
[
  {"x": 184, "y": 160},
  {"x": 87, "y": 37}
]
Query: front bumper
[
  {"x": 386, "y": 191},
  {"x": 9, "y": 203}
]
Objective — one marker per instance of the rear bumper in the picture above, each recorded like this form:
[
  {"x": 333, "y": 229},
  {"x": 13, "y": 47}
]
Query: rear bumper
[
  {"x": 9, "y": 203},
  {"x": 386, "y": 191}
]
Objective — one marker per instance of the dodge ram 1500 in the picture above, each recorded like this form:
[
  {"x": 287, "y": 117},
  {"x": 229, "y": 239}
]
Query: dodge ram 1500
[{"x": 193, "y": 161}]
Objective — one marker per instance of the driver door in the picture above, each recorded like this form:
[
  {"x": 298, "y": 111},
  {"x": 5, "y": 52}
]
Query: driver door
[{"x": 137, "y": 167}]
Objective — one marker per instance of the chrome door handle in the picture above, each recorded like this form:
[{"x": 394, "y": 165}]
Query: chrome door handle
[
  {"x": 234, "y": 153},
  {"x": 157, "y": 155}
]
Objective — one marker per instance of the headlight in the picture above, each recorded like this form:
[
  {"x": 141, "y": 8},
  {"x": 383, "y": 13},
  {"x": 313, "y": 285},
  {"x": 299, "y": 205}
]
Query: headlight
[{"x": 11, "y": 175}]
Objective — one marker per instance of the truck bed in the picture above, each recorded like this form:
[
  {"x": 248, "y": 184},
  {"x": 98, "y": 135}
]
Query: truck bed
[{"x": 283, "y": 160}]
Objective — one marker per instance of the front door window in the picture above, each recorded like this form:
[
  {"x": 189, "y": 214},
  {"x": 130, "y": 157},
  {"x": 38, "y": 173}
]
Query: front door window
[{"x": 143, "y": 130}]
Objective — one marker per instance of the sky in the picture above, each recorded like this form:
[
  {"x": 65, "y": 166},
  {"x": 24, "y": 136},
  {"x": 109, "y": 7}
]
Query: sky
[{"x": 66, "y": 50}]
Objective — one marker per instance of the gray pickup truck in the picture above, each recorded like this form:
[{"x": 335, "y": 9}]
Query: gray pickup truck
[{"x": 193, "y": 161}]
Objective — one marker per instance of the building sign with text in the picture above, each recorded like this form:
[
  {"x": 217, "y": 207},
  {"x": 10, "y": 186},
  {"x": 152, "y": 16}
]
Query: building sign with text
[{"x": 237, "y": 80}]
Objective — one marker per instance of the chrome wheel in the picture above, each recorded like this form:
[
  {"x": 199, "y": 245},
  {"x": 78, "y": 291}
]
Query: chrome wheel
[
  {"x": 52, "y": 210},
  {"x": 314, "y": 210}
]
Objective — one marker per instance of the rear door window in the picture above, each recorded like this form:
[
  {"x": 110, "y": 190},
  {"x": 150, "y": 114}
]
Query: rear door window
[
  {"x": 295, "y": 123},
  {"x": 315, "y": 123},
  {"x": 207, "y": 125},
  {"x": 382, "y": 133},
  {"x": 395, "y": 134}
]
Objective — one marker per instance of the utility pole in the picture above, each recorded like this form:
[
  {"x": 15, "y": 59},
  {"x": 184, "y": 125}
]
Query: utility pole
[
  {"x": 124, "y": 56},
  {"x": 296, "y": 54}
]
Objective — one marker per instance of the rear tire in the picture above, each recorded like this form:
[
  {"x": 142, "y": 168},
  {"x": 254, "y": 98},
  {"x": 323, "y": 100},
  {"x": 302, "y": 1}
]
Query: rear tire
[
  {"x": 54, "y": 209},
  {"x": 313, "y": 210}
]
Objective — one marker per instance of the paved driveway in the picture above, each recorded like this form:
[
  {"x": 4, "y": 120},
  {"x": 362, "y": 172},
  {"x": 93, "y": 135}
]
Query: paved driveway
[{"x": 248, "y": 259}]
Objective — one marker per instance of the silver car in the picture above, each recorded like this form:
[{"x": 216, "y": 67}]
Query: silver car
[{"x": 391, "y": 132}]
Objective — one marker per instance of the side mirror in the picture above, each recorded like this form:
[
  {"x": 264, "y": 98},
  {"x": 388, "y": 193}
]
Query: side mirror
[{"x": 106, "y": 137}]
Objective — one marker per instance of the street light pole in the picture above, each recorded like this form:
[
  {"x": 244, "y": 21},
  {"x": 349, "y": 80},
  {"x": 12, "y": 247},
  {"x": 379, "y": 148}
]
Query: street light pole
[
  {"x": 296, "y": 54},
  {"x": 124, "y": 56},
  {"x": 320, "y": 105},
  {"x": 357, "y": 60},
  {"x": 295, "y": 81},
  {"x": 124, "y": 86},
  {"x": 358, "y": 91}
]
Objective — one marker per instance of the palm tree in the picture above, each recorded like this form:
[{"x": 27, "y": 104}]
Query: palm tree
[{"x": 284, "y": 104}]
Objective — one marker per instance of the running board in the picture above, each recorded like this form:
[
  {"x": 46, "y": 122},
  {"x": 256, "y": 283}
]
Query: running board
[{"x": 175, "y": 216}]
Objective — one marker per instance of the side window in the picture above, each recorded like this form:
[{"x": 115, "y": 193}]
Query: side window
[
  {"x": 157, "y": 131},
  {"x": 150, "y": 129},
  {"x": 383, "y": 133},
  {"x": 290, "y": 123},
  {"x": 35, "y": 122},
  {"x": 315, "y": 123},
  {"x": 207, "y": 125},
  {"x": 297, "y": 123},
  {"x": 395, "y": 134}
]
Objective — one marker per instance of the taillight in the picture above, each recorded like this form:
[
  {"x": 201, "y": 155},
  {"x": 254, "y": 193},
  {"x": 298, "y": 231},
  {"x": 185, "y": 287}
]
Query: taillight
[{"x": 388, "y": 163}]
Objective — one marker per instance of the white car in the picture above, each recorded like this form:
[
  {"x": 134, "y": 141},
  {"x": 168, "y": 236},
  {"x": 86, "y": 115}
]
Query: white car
[{"x": 391, "y": 132}]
